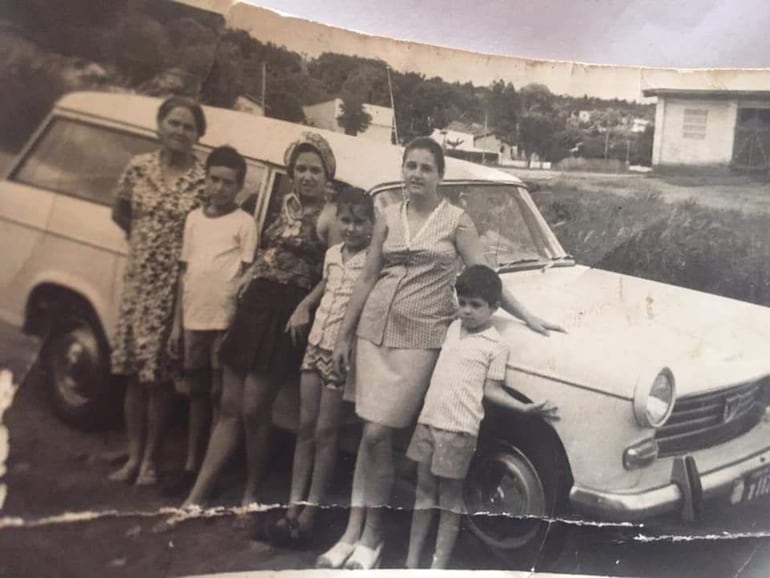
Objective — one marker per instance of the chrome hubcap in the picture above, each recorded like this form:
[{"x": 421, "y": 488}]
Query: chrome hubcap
[
  {"x": 505, "y": 489},
  {"x": 75, "y": 365}
]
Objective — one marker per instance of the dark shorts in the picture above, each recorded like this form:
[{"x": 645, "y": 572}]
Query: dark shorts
[{"x": 449, "y": 453}]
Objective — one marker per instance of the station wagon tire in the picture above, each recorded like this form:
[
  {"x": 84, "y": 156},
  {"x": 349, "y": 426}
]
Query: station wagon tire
[
  {"x": 75, "y": 360},
  {"x": 509, "y": 485}
]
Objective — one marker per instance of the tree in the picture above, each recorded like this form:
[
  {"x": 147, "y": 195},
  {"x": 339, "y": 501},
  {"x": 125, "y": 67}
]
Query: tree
[
  {"x": 140, "y": 47},
  {"x": 503, "y": 106},
  {"x": 537, "y": 133},
  {"x": 353, "y": 118}
]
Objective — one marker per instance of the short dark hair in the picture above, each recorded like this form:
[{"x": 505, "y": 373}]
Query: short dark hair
[
  {"x": 480, "y": 281},
  {"x": 430, "y": 145},
  {"x": 355, "y": 197},
  {"x": 195, "y": 109},
  {"x": 227, "y": 156}
]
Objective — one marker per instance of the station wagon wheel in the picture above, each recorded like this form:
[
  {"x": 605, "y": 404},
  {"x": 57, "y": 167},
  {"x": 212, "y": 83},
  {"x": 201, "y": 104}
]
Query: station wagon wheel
[
  {"x": 75, "y": 359},
  {"x": 507, "y": 501}
]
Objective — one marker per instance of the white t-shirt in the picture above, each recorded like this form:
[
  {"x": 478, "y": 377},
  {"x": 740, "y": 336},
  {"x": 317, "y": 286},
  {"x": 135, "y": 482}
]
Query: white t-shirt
[{"x": 213, "y": 249}]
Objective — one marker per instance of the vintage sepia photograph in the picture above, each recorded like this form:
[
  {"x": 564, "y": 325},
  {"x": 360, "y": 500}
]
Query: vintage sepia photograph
[{"x": 280, "y": 296}]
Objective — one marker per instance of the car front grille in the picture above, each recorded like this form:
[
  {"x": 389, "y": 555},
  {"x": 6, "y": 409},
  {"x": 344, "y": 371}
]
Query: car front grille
[{"x": 701, "y": 421}]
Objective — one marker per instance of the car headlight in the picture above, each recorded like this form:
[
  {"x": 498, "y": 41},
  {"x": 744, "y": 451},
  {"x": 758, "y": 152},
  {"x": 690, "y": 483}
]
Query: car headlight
[{"x": 654, "y": 399}]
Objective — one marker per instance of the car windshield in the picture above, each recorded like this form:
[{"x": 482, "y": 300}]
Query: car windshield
[{"x": 512, "y": 233}]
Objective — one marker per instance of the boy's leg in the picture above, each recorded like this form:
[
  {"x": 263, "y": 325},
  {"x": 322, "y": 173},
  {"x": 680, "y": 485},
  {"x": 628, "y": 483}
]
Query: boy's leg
[
  {"x": 310, "y": 400},
  {"x": 199, "y": 419},
  {"x": 326, "y": 447},
  {"x": 135, "y": 411},
  {"x": 422, "y": 515},
  {"x": 451, "y": 503},
  {"x": 224, "y": 438}
]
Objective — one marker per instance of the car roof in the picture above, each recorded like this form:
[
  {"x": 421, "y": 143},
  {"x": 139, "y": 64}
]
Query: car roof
[{"x": 360, "y": 162}]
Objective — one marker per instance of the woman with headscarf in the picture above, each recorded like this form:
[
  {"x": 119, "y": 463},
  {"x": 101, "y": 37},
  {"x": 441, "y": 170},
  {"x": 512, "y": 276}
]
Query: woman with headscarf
[
  {"x": 154, "y": 195},
  {"x": 262, "y": 349}
]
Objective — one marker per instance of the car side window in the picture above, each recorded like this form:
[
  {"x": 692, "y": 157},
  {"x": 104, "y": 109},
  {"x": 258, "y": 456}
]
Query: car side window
[{"x": 80, "y": 159}]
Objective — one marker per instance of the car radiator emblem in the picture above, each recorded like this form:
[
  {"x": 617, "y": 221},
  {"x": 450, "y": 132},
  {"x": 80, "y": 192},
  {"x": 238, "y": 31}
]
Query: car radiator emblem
[{"x": 730, "y": 411}]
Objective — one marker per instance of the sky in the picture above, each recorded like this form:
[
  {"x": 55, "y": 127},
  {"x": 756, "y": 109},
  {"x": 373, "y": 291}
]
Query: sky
[
  {"x": 635, "y": 33},
  {"x": 668, "y": 33}
]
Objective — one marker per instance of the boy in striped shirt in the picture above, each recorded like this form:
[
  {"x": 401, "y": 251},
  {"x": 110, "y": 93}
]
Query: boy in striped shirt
[{"x": 470, "y": 367}]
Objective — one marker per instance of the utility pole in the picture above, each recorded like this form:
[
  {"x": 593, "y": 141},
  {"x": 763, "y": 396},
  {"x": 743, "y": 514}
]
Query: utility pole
[
  {"x": 264, "y": 86},
  {"x": 484, "y": 150}
]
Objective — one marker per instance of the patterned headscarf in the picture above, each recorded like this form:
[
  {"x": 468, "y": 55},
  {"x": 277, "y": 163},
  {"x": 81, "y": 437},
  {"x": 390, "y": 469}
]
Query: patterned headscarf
[{"x": 320, "y": 145}]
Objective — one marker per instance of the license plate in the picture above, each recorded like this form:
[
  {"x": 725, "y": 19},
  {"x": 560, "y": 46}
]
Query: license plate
[{"x": 757, "y": 484}]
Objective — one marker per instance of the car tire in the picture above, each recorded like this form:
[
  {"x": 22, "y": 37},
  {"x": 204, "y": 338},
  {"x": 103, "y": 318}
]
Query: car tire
[
  {"x": 512, "y": 498},
  {"x": 75, "y": 360}
]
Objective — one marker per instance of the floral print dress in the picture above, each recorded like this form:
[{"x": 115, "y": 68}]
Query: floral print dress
[{"x": 152, "y": 269}]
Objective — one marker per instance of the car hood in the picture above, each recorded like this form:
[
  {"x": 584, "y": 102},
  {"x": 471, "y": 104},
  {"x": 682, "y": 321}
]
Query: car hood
[{"x": 622, "y": 330}]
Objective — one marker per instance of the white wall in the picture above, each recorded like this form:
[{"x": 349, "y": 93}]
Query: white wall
[{"x": 671, "y": 147}]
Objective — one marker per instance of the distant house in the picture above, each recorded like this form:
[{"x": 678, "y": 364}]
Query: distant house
[
  {"x": 584, "y": 116},
  {"x": 462, "y": 145},
  {"x": 325, "y": 114},
  {"x": 711, "y": 128},
  {"x": 639, "y": 124},
  {"x": 247, "y": 103}
]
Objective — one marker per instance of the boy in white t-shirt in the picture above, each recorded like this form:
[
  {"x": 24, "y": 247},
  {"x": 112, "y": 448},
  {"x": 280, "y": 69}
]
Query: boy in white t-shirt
[
  {"x": 470, "y": 367},
  {"x": 219, "y": 244}
]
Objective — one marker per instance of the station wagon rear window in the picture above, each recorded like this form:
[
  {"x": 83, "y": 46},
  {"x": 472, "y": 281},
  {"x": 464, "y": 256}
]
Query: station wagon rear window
[{"x": 80, "y": 159}]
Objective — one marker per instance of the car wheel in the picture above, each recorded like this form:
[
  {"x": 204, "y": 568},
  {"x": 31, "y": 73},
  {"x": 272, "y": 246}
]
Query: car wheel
[
  {"x": 76, "y": 363},
  {"x": 509, "y": 501}
]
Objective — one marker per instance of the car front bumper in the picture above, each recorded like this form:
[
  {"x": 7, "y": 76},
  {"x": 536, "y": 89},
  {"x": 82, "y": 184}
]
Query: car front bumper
[{"x": 684, "y": 495}]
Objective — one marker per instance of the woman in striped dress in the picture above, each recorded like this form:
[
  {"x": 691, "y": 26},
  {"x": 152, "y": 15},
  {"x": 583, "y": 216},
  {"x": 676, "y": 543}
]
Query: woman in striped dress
[{"x": 401, "y": 308}]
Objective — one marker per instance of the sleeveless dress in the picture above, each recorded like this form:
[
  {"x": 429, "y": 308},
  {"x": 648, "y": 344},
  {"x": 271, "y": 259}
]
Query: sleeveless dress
[{"x": 406, "y": 315}]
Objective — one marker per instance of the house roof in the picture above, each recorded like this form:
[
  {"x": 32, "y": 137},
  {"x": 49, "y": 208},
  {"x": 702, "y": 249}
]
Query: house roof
[
  {"x": 706, "y": 93},
  {"x": 360, "y": 162}
]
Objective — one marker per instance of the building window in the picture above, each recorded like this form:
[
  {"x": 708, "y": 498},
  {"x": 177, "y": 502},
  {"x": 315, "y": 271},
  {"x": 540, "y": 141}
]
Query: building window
[{"x": 695, "y": 120}]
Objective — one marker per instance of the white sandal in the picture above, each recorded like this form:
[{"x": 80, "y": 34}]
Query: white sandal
[
  {"x": 364, "y": 558},
  {"x": 336, "y": 556}
]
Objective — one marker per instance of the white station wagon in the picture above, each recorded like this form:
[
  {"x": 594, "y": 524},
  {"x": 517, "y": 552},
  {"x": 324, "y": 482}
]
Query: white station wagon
[{"x": 662, "y": 391}]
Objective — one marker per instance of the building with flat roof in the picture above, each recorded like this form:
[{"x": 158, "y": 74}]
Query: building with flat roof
[
  {"x": 325, "y": 114},
  {"x": 719, "y": 128}
]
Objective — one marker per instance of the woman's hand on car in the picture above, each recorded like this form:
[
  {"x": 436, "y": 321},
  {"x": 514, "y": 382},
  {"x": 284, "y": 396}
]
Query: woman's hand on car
[
  {"x": 298, "y": 323},
  {"x": 543, "y": 327}
]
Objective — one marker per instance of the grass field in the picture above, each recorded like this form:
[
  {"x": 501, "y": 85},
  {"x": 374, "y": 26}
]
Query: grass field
[{"x": 716, "y": 239}]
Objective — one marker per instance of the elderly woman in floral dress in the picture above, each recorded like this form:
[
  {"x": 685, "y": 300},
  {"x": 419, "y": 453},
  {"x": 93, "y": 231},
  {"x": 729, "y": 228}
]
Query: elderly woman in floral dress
[{"x": 154, "y": 195}]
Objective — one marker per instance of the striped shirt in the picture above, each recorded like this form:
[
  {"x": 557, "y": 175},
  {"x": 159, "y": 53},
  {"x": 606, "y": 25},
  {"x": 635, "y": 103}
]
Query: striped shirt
[
  {"x": 340, "y": 278},
  {"x": 413, "y": 302},
  {"x": 455, "y": 396}
]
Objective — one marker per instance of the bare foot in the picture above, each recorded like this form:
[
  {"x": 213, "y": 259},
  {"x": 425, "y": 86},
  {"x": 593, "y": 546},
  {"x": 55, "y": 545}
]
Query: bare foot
[
  {"x": 147, "y": 475},
  {"x": 126, "y": 474}
]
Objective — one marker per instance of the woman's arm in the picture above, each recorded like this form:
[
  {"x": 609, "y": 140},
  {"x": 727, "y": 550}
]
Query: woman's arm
[
  {"x": 300, "y": 318},
  {"x": 364, "y": 286},
  {"x": 470, "y": 249},
  {"x": 174, "y": 344},
  {"x": 121, "y": 214}
]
